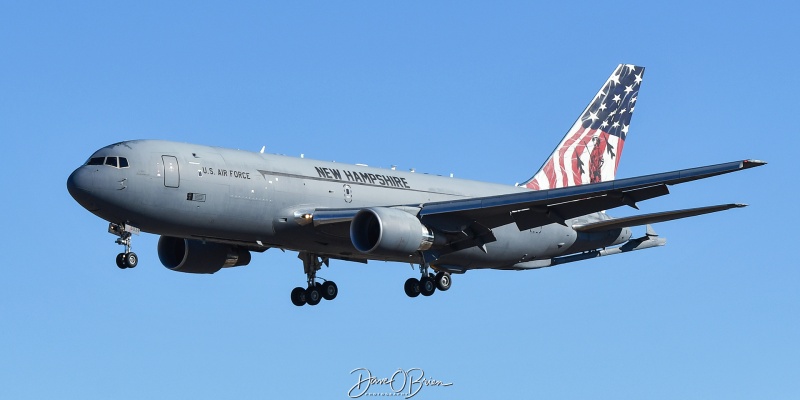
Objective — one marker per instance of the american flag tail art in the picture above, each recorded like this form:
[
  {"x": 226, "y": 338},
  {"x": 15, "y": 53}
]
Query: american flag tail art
[{"x": 591, "y": 149}]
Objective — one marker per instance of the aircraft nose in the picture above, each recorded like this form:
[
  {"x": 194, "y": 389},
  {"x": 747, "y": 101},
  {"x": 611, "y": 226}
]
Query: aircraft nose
[
  {"x": 79, "y": 185},
  {"x": 79, "y": 179}
]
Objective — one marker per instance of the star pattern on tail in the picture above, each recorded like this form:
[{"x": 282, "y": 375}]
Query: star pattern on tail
[{"x": 592, "y": 148}]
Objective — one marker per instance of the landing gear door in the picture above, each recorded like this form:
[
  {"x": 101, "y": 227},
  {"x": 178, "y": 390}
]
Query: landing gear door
[{"x": 172, "y": 176}]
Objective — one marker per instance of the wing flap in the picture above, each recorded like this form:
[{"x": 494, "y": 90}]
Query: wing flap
[{"x": 653, "y": 218}]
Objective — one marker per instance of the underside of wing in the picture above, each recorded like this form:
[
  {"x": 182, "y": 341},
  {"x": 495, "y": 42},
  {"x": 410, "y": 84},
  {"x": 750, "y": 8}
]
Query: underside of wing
[{"x": 542, "y": 215}]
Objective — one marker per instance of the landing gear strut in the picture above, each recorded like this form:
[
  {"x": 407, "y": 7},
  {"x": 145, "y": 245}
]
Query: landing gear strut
[
  {"x": 127, "y": 259},
  {"x": 427, "y": 284},
  {"x": 315, "y": 291}
]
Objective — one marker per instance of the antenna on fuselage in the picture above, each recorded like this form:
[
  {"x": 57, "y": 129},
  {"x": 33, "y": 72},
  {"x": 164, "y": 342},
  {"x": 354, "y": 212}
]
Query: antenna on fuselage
[{"x": 262, "y": 149}]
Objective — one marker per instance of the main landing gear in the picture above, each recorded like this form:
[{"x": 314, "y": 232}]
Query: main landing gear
[
  {"x": 315, "y": 291},
  {"x": 127, "y": 259},
  {"x": 428, "y": 283}
]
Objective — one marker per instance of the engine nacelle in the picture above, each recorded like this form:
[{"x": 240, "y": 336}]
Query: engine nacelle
[
  {"x": 194, "y": 256},
  {"x": 389, "y": 231}
]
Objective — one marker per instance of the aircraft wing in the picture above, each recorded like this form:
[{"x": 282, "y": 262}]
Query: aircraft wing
[
  {"x": 538, "y": 208},
  {"x": 531, "y": 209}
]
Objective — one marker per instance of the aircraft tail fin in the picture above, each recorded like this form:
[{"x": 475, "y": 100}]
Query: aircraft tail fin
[{"x": 591, "y": 149}]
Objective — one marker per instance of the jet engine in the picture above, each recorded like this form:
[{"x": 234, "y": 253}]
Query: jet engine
[
  {"x": 389, "y": 231},
  {"x": 194, "y": 256}
]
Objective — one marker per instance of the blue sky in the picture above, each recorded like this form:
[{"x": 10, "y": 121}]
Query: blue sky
[{"x": 483, "y": 90}]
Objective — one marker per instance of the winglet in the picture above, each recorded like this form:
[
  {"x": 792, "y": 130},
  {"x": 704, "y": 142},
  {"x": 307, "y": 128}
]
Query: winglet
[{"x": 752, "y": 163}]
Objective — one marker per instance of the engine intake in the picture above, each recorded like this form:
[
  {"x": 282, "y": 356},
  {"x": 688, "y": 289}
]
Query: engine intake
[
  {"x": 389, "y": 231},
  {"x": 194, "y": 256}
]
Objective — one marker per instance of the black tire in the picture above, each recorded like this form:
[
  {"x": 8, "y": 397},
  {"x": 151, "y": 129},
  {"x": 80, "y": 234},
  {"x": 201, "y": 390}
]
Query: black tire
[
  {"x": 131, "y": 260},
  {"x": 329, "y": 290},
  {"x": 443, "y": 281},
  {"x": 121, "y": 261},
  {"x": 427, "y": 286},
  {"x": 313, "y": 296},
  {"x": 412, "y": 287},
  {"x": 299, "y": 296}
]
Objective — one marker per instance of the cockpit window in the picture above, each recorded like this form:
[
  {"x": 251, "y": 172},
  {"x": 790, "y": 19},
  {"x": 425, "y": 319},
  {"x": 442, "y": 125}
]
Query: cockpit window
[{"x": 116, "y": 162}]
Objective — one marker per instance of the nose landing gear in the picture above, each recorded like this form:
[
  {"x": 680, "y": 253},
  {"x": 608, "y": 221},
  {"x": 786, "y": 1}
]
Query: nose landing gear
[{"x": 127, "y": 259}]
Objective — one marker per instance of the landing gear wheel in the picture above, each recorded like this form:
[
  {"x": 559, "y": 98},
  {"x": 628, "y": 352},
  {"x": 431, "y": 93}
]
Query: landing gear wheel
[
  {"x": 329, "y": 290},
  {"x": 299, "y": 296},
  {"x": 123, "y": 232},
  {"x": 412, "y": 287},
  {"x": 131, "y": 260},
  {"x": 315, "y": 291},
  {"x": 443, "y": 281},
  {"x": 313, "y": 296},
  {"x": 427, "y": 286},
  {"x": 121, "y": 261}
]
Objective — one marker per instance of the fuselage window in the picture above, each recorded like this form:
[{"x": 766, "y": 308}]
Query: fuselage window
[
  {"x": 123, "y": 162},
  {"x": 112, "y": 161},
  {"x": 95, "y": 161}
]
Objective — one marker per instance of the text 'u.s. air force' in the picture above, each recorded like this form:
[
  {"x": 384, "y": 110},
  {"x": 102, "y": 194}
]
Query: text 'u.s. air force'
[
  {"x": 362, "y": 177},
  {"x": 230, "y": 173}
]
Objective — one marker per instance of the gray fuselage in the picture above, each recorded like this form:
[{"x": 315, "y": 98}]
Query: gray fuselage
[{"x": 252, "y": 200}]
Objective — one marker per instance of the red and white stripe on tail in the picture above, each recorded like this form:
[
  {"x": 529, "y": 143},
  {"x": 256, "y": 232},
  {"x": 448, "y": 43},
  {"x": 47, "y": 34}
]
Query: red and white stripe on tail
[{"x": 591, "y": 149}]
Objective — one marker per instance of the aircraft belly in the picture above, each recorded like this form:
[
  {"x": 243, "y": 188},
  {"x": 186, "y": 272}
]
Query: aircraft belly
[{"x": 511, "y": 246}]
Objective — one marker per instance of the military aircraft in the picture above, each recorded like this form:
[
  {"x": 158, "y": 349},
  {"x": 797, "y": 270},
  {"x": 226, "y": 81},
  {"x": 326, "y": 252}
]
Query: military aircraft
[{"x": 214, "y": 206}]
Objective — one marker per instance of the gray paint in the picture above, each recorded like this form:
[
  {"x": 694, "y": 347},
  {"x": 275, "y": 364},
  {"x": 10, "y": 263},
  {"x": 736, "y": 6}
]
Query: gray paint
[{"x": 246, "y": 198}]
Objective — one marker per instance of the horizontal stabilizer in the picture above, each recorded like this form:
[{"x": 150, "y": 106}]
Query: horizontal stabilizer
[{"x": 652, "y": 218}]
